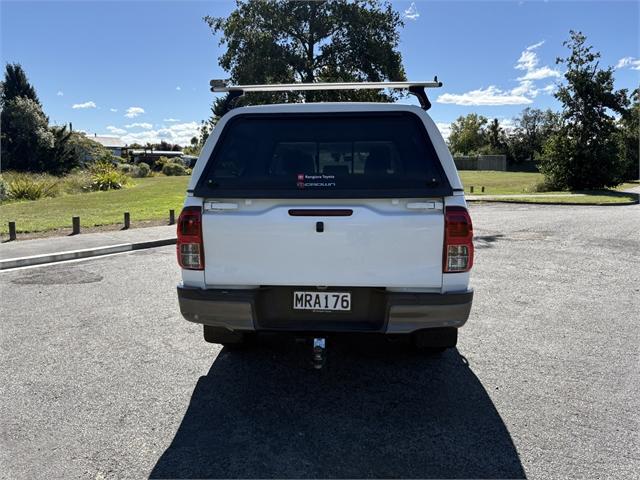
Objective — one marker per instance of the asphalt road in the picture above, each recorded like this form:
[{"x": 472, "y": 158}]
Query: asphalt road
[{"x": 101, "y": 378}]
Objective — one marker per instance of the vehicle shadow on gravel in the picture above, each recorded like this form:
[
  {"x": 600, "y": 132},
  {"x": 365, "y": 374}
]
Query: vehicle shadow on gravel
[{"x": 376, "y": 410}]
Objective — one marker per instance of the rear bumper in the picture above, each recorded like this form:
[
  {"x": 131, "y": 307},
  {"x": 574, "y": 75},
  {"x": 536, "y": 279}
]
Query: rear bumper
[{"x": 243, "y": 310}]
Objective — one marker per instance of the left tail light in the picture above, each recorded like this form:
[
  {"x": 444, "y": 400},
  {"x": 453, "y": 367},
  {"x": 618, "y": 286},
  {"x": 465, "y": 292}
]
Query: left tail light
[
  {"x": 458, "y": 240},
  {"x": 189, "y": 245}
]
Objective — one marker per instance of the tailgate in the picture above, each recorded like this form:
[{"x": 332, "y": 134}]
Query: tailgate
[{"x": 384, "y": 243}]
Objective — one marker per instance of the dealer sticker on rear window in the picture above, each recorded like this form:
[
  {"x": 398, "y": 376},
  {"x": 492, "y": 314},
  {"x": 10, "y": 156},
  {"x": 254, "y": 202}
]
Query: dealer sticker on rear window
[{"x": 315, "y": 181}]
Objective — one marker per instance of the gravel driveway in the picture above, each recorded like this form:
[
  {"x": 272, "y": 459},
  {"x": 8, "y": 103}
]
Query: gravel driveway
[{"x": 101, "y": 378}]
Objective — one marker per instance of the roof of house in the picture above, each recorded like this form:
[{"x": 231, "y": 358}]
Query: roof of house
[
  {"x": 167, "y": 153},
  {"x": 109, "y": 142}
]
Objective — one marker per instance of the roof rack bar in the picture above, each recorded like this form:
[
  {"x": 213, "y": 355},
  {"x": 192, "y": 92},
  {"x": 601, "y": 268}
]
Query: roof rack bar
[
  {"x": 235, "y": 91},
  {"x": 221, "y": 86}
]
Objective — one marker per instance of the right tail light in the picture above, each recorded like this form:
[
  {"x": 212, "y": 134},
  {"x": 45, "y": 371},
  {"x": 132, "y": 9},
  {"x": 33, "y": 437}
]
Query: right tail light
[
  {"x": 189, "y": 245},
  {"x": 458, "y": 240}
]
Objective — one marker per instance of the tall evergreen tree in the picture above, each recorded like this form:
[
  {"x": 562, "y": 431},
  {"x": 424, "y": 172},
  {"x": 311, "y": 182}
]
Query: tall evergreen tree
[
  {"x": 28, "y": 144},
  {"x": 16, "y": 84}
]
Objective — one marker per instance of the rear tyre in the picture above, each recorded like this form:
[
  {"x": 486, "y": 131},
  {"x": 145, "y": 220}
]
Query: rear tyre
[
  {"x": 222, "y": 336},
  {"x": 436, "y": 340}
]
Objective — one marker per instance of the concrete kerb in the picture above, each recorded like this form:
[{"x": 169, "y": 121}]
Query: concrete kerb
[
  {"x": 84, "y": 253},
  {"x": 524, "y": 202}
]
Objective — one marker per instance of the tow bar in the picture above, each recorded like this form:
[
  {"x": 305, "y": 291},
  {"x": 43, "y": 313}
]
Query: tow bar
[{"x": 319, "y": 350}]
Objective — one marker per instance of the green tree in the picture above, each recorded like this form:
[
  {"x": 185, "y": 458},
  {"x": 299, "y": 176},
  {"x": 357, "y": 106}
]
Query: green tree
[
  {"x": 496, "y": 138},
  {"x": 272, "y": 41},
  {"x": 84, "y": 148},
  {"x": 629, "y": 139},
  {"x": 584, "y": 153},
  {"x": 62, "y": 151},
  {"x": 16, "y": 84},
  {"x": 532, "y": 129},
  {"x": 26, "y": 138},
  {"x": 468, "y": 134},
  {"x": 28, "y": 144}
]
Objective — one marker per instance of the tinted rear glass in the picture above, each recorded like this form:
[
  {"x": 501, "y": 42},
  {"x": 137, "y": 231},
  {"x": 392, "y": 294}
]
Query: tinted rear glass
[{"x": 324, "y": 156}]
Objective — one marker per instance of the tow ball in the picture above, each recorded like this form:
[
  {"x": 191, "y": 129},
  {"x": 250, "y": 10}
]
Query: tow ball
[{"x": 319, "y": 352}]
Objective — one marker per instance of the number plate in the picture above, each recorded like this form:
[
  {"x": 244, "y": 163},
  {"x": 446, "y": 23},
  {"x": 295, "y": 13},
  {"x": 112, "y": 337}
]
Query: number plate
[{"x": 322, "y": 301}]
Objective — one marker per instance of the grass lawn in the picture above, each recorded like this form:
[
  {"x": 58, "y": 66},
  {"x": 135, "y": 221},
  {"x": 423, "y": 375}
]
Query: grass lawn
[
  {"x": 628, "y": 185},
  {"x": 513, "y": 183},
  {"x": 148, "y": 199},
  {"x": 496, "y": 183}
]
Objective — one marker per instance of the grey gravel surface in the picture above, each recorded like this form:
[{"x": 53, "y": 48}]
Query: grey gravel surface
[{"x": 101, "y": 378}]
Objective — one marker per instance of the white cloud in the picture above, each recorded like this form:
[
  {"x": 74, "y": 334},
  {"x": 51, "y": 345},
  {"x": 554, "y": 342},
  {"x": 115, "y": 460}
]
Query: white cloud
[
  {"x": 535, "y": 45},
  {"x": 180, "y": 133},
  {"x": 146, "y": 126},
  {"x": 491, "y": 95},
  {"x": 549, "y": 89},
  {"x": 134, "y": 112},
  {"x": 178, "y": 88},
  {"x": 170, "y": 120},
  {"x": 540, "y": 73},
  {"x": 113, "y": 109},
  {"x": 116, "y": 130},
  {"x": 526, "y": 88},
  {"x": 60, "y": 93},
  {"x": 412, "y": 13},
  {"x": 522, "y": 94},
  {"x": 633, "y": 63},
  {"x": 89, "y": 104},
  {"x": 529, "y": 61}
]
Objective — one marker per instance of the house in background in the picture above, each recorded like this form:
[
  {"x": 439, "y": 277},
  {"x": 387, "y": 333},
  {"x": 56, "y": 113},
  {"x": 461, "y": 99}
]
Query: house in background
[
  {"x": 150, "y": 156},
  {"x": 114, "y": 144}
]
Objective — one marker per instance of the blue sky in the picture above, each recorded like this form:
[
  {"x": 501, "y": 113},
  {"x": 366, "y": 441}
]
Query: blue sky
[{"x": 141, "y": 69}]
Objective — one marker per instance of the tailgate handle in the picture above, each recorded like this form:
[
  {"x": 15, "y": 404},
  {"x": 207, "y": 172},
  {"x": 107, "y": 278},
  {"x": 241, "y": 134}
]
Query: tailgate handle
[
  {"x": 320, "y": 212},
  {"x": 220, "y": 206},
  {"x": 424, "y": 205}
]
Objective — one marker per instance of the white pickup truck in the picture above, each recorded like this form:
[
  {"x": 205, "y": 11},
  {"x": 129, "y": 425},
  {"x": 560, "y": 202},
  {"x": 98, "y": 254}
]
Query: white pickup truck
[{"x": 324, "y": 218}]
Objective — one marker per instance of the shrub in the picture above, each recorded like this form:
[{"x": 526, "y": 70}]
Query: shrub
[
  {"x": 108, "y": 180},
  {"x": 174, "y": 169},
  {"x": 141, "y": 170},
  {"x": 105, "y": 176},
  {"x": 26, "y": 186},
  {"x": 543, "y": 186},
  {"x": 125, "y": 168},
  {"x": 161, "y": 162}
]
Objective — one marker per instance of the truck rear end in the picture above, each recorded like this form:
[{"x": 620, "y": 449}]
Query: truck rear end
[{"x": 326, "y": 218}]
